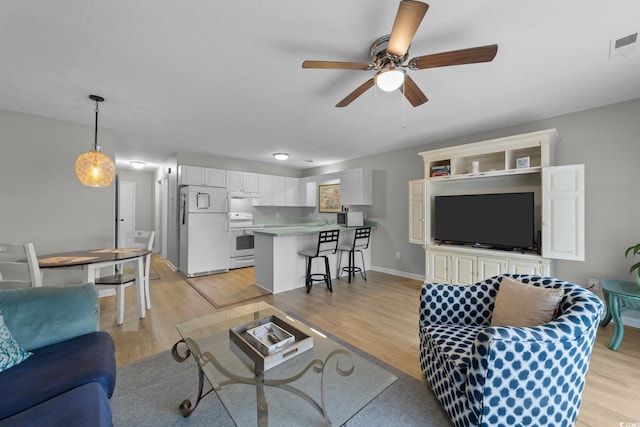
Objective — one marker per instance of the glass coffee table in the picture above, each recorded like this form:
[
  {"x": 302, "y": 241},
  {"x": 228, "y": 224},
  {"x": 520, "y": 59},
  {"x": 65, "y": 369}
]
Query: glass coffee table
[{"x": 323, "y": 385}]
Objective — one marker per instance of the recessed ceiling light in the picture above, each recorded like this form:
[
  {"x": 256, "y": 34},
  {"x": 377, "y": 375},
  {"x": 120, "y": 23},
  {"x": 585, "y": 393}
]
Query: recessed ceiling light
[
  {"x": 281, "y": 156},
  {"x": 137, "y": 164}
]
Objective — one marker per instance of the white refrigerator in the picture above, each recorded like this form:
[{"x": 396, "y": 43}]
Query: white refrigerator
[{"x": 204, "y": 230}]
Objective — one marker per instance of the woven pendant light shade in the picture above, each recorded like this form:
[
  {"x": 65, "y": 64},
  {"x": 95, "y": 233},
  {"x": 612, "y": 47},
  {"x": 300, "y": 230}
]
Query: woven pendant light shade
[{"x": 95, "y": 169}]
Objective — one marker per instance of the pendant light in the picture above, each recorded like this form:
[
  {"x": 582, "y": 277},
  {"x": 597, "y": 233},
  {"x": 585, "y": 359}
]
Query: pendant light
[{"x": 94, "y": 168}]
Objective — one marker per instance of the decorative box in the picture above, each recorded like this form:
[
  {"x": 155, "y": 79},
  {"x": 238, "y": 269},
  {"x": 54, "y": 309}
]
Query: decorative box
[{"x": 253, "y": 339}]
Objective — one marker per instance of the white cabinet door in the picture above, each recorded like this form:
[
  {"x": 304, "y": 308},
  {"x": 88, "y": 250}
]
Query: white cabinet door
[
  {"x": 279, "y": 191},
  {"x": 356, "y": 187},
  {"x": 525, "y": 267},
  {"x": 250, "y": 182},
  {"x": 292, "y": 191},
  {"x": 438, "y": 267},
  {"x": 191, "y": 175},
  {"x": 308, "y": 196},
  {"x": 215, "y": 177},
  {"x": 417, "y": 230},
  {"x": 265, "y": 191},
  {"x": 489, "y": 267},
  {"x": 463, "y": 269},
  {"x": 563, "y": 212},
  {"x": 234, "y": 180}
]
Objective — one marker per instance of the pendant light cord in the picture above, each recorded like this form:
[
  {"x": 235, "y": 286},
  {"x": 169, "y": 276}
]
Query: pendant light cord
[{"x": 95, "y": 140}]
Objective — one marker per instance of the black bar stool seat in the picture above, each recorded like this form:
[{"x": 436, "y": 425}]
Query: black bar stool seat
[
  {"x": 360, "y": 242},
  {"x": 327, "y": 244}
]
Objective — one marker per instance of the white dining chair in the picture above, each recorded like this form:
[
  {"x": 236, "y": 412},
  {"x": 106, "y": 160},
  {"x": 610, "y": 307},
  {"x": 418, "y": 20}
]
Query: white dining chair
[
  {"x": 19, "y": 266},
  {"x": 133, "y": 240},
  {"x": 142, "y": 240}
]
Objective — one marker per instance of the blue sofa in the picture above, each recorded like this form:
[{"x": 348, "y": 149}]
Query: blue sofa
[
  {"x": 71, "y": 374},
  {"x": 496, "y": 376}
]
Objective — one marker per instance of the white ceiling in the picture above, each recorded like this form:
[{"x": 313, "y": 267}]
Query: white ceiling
[{"x": 225, "y": 77}]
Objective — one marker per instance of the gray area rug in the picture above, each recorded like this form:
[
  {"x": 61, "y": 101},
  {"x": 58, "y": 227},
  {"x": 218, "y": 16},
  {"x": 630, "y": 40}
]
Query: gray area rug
[{"x": 149, "y": 391}]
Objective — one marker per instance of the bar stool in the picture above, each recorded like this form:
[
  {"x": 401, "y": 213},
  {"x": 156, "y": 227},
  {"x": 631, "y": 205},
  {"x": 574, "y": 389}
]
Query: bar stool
[
  {"x": 327, "y": 244},
  {"x": 360, "y": 242}
]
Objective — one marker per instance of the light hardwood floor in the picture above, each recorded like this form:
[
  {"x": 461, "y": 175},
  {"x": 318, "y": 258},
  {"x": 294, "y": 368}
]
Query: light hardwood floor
[{"x": 380, "y": 316}]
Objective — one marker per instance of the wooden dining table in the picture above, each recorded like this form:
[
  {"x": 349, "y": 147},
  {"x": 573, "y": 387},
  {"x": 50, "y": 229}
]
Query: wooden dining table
[{"x": 94, "y": 259}]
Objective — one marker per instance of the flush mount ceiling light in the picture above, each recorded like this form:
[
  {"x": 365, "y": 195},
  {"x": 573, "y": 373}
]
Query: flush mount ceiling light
[
  {"x": 138, "y": 164},
  {"x": 389, "y": 79},
  {"x": 281, "y": 156},
  {"x": 94, "y": 168}
]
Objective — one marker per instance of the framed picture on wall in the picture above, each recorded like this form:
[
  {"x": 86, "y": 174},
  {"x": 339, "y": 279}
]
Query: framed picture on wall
[{"x": 329, "y": 198}]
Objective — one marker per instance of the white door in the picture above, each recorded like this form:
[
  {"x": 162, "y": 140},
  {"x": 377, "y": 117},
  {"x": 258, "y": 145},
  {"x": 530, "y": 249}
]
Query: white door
[
  {"x": 563, "y": 212},
  {"x": 126, "y": 209},
  {"x": 463, "y": 269}
]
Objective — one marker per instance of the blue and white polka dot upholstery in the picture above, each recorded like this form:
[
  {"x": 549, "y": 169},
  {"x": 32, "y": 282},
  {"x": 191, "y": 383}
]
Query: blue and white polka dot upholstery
[{"x": 506, "y": 376}]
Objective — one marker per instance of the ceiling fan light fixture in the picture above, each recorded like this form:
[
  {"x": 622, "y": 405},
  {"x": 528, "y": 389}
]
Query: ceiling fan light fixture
[
  {"x": 389, "y": 79},
  {"x": 281, "y": 156}
]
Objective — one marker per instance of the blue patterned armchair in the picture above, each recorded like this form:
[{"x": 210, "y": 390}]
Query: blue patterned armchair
[{"x": 501, "y": 375}]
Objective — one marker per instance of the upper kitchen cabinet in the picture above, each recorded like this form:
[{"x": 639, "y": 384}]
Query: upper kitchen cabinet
[
  {"x": 196, "y": 175},
  {"x": 292, "y": 191},
  {"x": 308, "y": 193},
  {"x": 265, "y": 191},
  {"x": 242, "y": 183},
  {"x": 356, "y": 187}
]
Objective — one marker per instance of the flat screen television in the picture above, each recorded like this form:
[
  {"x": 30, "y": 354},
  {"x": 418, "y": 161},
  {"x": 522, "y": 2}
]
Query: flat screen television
[{"x": 502, "y": 221}]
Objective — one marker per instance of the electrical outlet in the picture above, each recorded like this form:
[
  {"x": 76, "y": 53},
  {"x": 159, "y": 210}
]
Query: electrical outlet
[
  {"x": 594, "y": 284},
  {"x": 397, "y": 255}
]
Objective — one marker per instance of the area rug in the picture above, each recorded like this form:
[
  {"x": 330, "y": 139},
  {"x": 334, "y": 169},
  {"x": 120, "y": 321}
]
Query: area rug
[
  {"x": 149, "y": 391},
  {"x": 225, "y": 289}
]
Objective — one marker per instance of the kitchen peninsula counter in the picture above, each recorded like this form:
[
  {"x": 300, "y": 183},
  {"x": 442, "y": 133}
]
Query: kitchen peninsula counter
[{"x": 278, "y": 266}]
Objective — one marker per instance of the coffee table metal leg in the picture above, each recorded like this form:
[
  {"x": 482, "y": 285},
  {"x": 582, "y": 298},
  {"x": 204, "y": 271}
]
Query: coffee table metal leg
[
  {"x": 317, "y": 365},
  {"x": 186, "y": 407}
]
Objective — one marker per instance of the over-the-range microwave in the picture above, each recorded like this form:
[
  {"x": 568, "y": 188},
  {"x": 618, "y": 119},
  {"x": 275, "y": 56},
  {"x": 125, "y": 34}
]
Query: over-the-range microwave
[{"x": 351, "y": 219}]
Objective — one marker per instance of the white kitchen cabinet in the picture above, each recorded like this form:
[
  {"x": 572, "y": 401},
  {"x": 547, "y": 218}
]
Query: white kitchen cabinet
[
  {"x": 244, "y": 183},
  {"x": 308, "y": 193},
  {"x": 197, "y": 175},
  {"x": 356, "y": 187},
  {"x": 463, "y": 265},
  {"x": 292, "y": 191},
  {"x": 279, "y": 191},
  {"x": 265, "y": 191}
]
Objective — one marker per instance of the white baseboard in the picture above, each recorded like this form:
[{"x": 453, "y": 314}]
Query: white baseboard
[
  {"x": 106, "y": 291},
  {"x": 634, "y": 322},
  {"x": 398, "y": 273},
  {"x": 171, "y": 266}
]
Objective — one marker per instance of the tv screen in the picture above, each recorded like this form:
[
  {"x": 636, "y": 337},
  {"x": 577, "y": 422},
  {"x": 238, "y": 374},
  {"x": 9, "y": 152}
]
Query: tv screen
[{"x": 497, "y": 220}]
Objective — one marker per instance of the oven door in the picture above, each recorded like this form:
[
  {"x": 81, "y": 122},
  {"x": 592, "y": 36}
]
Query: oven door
[{"x": 242, "y": 243}]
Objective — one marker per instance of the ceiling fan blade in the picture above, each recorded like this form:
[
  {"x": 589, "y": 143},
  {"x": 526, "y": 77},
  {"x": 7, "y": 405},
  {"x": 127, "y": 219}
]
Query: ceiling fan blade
[
  {"x": 356, "y": 93},
  {"x": 337, "y": 65},
  {"x": 413, "y": 93},
  {"x": 455, "y": 57},
  {"x": 408, "y": 19}
]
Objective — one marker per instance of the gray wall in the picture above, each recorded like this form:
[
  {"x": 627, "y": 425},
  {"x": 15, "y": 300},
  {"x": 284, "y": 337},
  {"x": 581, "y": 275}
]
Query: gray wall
[
  {"x": 605, "y": 139},
  {"x": 41, "y": 198}
]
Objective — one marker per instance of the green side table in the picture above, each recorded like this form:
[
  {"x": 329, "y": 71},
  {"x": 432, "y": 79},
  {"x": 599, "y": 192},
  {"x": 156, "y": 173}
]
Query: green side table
[{"x": 620, "y": 296}]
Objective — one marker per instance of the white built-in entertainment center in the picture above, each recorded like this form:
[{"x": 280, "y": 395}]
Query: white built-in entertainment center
[{"x": 520, "y": 163}]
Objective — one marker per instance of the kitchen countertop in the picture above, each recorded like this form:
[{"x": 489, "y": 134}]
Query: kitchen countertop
[{"x": 303, "y": 229}]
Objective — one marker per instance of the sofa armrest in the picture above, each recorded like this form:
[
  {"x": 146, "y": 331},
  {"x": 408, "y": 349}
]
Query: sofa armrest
[
  {"x": 38, "y": 317},
  {"x": 456, "y": 304}
]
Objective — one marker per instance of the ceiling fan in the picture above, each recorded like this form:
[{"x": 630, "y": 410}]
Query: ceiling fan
[{"x": 389, "y": 53}]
